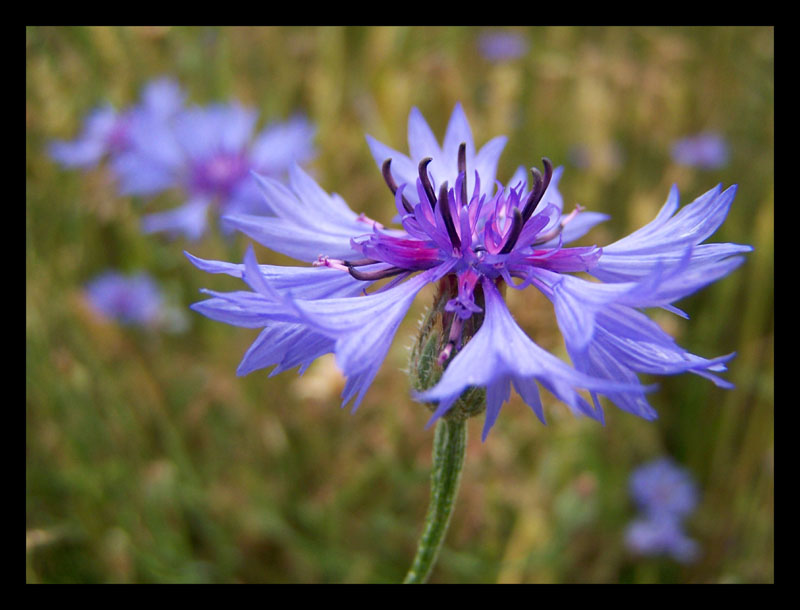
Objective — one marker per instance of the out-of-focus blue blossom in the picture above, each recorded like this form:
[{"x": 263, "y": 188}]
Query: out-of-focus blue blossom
[
  {"x": 208, "y": 153},
  {"x": 705, "y": 150},
  {"x": 662, "y": 535},
  {"x": 661, "y": 486},
  {"x": 129, "y": 299},
  {"x": 500, "y": 46},
  {"x": 474, "y": 239},
  {"x": 665, "y": 495},
  {"x": 107, "y": 132}
]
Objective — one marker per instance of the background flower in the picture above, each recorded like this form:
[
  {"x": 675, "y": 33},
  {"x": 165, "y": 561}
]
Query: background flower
[
  {"x": 206, "y": 153},
  {"x": 133, "y": 299},
  {"x": 707, "y": 150},
  {"x": 665, "y": 495},
  {"x": 499, "y": 46},
  {"x": 109, "y": 132}
]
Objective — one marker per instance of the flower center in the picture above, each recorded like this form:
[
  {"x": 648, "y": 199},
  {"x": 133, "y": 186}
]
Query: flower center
[{"x": 220, "y": 174}]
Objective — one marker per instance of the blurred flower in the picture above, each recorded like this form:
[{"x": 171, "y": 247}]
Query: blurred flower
[
  {"x": 705, "y": 150},
  {"x": 473, "y": 240},
  {"x": 134, "y": 299},
  {"x": 499, "y": 46},
  {"x": 108, "y": 132},
  {"x": 662, "y": 535},
  {"x": 206, "y": 152},
  {"x": 661, "y": 486},
  {"x": 666, "y": 494},
  {"x": 209, "y": 153}
]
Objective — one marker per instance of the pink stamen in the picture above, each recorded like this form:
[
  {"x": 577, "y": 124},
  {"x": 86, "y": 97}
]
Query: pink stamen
[
  {"x": 555, "y": 231},
  {"x": 367, "y": 220},
  {"x": 333, "y": 263}
]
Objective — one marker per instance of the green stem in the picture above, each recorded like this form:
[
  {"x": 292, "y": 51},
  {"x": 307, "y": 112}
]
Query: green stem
[{"x": 449, "y": 449}]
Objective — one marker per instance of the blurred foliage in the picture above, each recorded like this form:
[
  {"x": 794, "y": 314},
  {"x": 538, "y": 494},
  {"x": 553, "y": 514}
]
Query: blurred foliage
[{"x": 148, "y": 460}]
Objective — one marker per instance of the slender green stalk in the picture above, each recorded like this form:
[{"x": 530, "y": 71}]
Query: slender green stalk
[{"x": 449, "y": 450}]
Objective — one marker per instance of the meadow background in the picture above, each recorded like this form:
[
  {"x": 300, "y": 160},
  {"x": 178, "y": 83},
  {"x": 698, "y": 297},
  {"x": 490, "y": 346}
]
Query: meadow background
[{"x": 148, "y": 460}]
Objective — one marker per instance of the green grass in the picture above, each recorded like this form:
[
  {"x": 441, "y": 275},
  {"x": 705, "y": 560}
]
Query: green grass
[{"x": 148, "y": 460}]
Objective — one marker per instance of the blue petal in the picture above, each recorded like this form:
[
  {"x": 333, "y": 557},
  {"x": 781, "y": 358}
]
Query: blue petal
[
  {"x": 486, "y": 160},
  {"x": 501, "y": 352},
  {"x": 458, "y": 132},
  {"x": 87, "y": 149},
  {"x": 363, "y": 327},
  {"x": 286, "y": 345},
  {"x": 279, "y": 145},
  {"x": 421, "y": 141},
  {"x": 665, "y": 239},
  {"x": 302, "y": 243},
  {"x": 301, "y": 282},
  {"x": 403, "y": 169},
  {"x": 189, "y": 220}
]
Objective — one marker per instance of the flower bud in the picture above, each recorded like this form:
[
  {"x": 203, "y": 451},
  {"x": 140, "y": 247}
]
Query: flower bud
[{"x": 435, "y": 347}]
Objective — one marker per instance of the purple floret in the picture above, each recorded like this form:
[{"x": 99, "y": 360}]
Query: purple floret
[
  {"x": 500, "y": 46},
  {"x": 134, "y": 299},
  {"x": 665, "y": 495},
  {"x": 210, "y": 153},
  {"x": 705, "y": 150},
  {"x": 661, "y": 536},
  {"x": 107, "y": 132},
  {"x": 662, "y": 486}
]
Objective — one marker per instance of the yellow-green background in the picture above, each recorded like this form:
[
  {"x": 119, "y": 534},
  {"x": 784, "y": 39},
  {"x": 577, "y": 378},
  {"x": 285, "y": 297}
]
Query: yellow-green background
[{"x": 148, "y": 460}]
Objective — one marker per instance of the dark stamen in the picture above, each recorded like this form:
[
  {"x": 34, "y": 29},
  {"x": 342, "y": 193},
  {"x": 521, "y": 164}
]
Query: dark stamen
[
  {"x": 387, "y": 176},
  {"x": 426, "y": 181},
  {"x": 369, "y": 276},
  {"x": 462, "y": 169},
  {"x": 535, "y": 195},
  {"x": 360, "y": 262},
  {"x": 448, "y": 218},
  {"x": 548, "y": 173},
  {"x": 540, "y": 185},
  {"x": 513, "y": 234}
]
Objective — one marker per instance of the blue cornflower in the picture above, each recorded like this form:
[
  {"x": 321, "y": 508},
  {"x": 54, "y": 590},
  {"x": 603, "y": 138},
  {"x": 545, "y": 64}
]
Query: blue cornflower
[
  {"x": 107, "y": 132},
  {"x": 209, "y": 153},
  {"x": 665, "y": 494},
  {"x": 706, "y": 150},
  {"x": 473, "y": 239},
  {"x": 661, "y": 535},
  {"x": 501, "y": 46},
  {"x": 129, "y": 299},
  {"x": 661, "y": 486}
]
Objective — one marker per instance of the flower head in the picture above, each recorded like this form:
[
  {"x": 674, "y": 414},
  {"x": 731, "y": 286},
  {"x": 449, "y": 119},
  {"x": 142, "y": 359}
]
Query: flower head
[
  {"x": 209, "y": 154},
  {"x": 665, "y": 494},
  {"x": 501, "y": 46},
  {"x": 661, "y": 486},
  {"x": 109, "y": 132},
  {"x": 134, "y": 299},
  {"x": 705, "y": 150},
  {"x": 474, "y": 239},
  {"x": 662, "y": 535}
]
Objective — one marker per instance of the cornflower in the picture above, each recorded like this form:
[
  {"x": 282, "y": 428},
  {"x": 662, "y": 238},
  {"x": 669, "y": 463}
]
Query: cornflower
[
  {"x": 129, "y": 299},
  {"x": 208, "y": 153},
  {"x": 501, "y": 46},
  {"x": 707, "y": 150},
  {"x": 665, "y": 495},
  {"x": 107, "y": 132},
  {"x": 473, "y": 239},
  {"x": 659, "y": 536}
]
